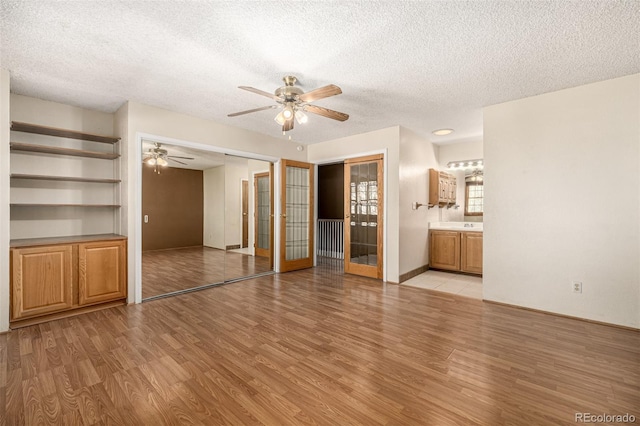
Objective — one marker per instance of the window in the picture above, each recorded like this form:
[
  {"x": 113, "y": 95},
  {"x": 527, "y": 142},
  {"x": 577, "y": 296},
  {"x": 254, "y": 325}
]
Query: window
[{"x": 474, "y": 201}]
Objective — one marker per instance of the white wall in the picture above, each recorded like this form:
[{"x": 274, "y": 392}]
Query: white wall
[
  {"x": 562, "y": 201},
  {"x": 417, "y": 156},
  {"x": 363, "y": 144},
  {"x": 4, "y": 199},
  {"x": 213, "y": 188}
]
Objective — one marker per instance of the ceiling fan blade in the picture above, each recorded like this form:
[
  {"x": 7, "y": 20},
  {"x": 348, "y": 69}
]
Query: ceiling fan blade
[
  {"x": 322, "y": 92},
  {"x": 179, "y": 162},
  {"x": 325, "y": 112},
  {"x": 235, "y": 114},
  {"x": 260, "y": 92},
  {"x": 288, "y": 125},
  {"x": 177, "y": 156}
]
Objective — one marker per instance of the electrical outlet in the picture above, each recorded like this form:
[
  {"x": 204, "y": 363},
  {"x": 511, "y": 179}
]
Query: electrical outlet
[{"x": 577, "y": 286}]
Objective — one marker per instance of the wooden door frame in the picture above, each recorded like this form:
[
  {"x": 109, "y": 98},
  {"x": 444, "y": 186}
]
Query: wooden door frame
[{"x": 365, "y": 270}]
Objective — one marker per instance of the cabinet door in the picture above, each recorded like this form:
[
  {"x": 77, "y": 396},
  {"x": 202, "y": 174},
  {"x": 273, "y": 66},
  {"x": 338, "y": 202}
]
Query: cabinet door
[
  {"x": 41, "y": 280},
  {"x": 103, "y": 271},
  {"x": 472, "y": 252},
  {"x": 444, "y": 250},
  {"x": 452, "y": 189}
]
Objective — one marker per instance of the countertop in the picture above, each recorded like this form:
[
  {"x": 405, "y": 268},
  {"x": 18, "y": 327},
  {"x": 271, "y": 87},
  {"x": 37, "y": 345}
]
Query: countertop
[{"x": 457, "y": 226}]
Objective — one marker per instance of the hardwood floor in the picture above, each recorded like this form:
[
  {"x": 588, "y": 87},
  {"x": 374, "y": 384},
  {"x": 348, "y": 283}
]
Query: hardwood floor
[
  {"x": 166, "y": 271},
  {"x": 316, "y": 347}
]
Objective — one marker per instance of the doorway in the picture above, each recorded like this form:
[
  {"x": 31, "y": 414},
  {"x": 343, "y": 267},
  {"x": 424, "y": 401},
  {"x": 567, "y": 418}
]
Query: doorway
[
  {"x": 351, "y": 215},
  {"x": 363, "y": 208}
]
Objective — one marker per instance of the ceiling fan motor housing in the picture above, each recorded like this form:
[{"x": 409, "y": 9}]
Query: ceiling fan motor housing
[{"x": 289, "y": 92}]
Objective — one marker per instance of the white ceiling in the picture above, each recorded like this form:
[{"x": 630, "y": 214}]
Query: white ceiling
[{"x": 423, "y": 65}]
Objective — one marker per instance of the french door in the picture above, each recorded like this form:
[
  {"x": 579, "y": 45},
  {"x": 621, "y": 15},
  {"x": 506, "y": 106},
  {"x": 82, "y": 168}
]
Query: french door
[
  {"x": 296, "y": 215},
  {"x": 363, "y": 192},
  {"x": 262, "y": 217}
]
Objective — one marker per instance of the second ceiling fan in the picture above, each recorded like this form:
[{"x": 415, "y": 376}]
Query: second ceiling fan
[{"x": 294, "y": 102}]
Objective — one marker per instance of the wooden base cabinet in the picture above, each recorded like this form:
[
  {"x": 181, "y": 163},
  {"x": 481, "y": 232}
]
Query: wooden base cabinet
[
  {"x": 42, "y": 280},
  {"x": 103, "y": 272},
  {"x": 456, "y": 251},
  {"x": 471, "y": 256},
  {"x": 445, "y": 250},
  {"x": 48, "y": 281}
]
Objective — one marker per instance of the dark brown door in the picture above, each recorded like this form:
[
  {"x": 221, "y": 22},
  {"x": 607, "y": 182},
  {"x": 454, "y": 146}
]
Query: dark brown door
[
  {"x": 363, "y": 195},
  {"x": 296, "y": 216},
  {"x": 245, "y": 213}
]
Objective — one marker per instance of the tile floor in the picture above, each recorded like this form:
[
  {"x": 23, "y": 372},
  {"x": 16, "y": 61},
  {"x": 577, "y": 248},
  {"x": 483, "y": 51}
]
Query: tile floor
[{"x": 447, "y": 282}]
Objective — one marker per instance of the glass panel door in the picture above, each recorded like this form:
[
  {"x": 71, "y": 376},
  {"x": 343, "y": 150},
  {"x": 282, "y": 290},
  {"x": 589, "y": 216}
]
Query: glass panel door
[
  {"x": 363, "y": 216},
  {"x": 263, "y": 203},
  {"x": 296, "y": 232}
]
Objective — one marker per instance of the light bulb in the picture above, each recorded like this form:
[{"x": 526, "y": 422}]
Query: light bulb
[
  {"x": 151, "y": 161},
  {"x": 301, "y": 117},
  {"x": 287, "y": 113},
  {"x": 162, "y": 162},
  {"x": 280, "y": 118}
]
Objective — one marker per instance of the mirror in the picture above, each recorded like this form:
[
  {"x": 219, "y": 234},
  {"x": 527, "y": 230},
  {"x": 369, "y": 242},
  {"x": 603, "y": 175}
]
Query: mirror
[
  {"x": 249, "y": 217},
  {"x": 206, "y": 218}
]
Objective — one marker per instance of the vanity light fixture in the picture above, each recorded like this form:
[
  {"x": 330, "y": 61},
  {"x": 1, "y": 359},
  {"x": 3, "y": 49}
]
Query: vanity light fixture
[
  {"x": 442, "y": 132},
  {"x": 465, "y": 165}
]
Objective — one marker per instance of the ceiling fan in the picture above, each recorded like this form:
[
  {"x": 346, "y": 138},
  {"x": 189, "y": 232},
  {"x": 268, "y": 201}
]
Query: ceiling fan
[
  {"x": 294, "y": 102},
  {"x": 158, "y": 156}
]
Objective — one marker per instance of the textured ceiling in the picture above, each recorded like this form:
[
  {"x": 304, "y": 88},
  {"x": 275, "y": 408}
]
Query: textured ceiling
[{"x": 423, "y": 65}]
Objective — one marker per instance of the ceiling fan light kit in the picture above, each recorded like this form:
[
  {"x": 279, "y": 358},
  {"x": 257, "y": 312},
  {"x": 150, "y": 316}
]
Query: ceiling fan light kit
[
  {"x": 294, "y": 102},
  {"x": 158, "y": 156}
]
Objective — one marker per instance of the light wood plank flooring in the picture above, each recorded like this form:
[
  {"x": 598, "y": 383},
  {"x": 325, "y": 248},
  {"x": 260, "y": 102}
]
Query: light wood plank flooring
[
  {"x": 316, "y": 347},
  {"x": 166, "y": 271}
]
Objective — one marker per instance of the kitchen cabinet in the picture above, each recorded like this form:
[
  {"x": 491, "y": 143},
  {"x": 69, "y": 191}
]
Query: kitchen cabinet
[
  {"x": 53, "y": 277},
  {"x": 456, "y": 251}
]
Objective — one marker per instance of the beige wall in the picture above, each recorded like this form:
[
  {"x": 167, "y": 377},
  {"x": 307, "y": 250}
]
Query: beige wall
[
  {"x": 467, "y": 150},
  {"x": 417, "y": 156},
  {"x": 562, "y": 201},
  {"x": 363, "y": 144},
  {"x": 235, "y": 170},
  {"x": 4, "y": 199},
  {"x": 214, "y": 208}
]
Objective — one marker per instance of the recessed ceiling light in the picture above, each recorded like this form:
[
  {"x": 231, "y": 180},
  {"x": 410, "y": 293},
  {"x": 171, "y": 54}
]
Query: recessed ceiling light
[{"x": 442, "y": 132}]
